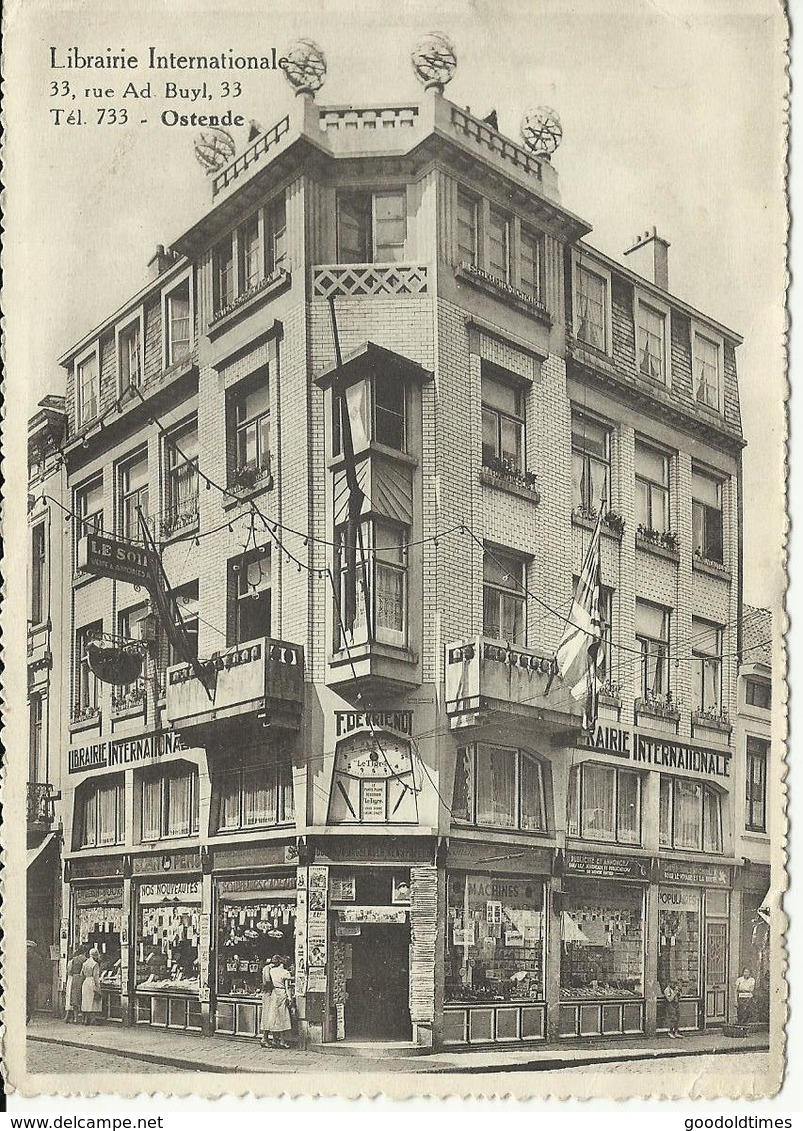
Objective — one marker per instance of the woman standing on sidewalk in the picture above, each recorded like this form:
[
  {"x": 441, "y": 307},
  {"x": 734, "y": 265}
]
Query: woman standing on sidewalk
[
  {"x": 276, "y": 981},
  {"x": 91, "y": 999},
  {"x": 72, "y": 997}
]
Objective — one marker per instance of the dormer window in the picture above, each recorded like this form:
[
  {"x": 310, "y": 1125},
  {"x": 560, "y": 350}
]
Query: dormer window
[
  {"x": 371, "y": 226},
  {"x": 651, "y": 342},
  {"x": 87, "y": 380},
  {"x": 707, "y": 372},
  {"x": 129, "y": 356}
]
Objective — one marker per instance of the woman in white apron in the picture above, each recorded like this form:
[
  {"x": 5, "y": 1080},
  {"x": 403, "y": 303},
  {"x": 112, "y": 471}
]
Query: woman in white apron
[
  {"x": 275, "y": 1003},
  {"x": 91, "y": 998}
]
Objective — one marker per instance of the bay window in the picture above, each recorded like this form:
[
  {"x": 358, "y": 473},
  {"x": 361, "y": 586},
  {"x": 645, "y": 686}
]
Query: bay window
[
  {"x": 502, "y": 419},
  {"x": 169, "y": 802},
  {"x": 690, "y": 815},
  {"x": 499, "y": 787},
  {"x": 253, "y": 796},
  {"x": 706, "y": 666},
  {"x": 385, "y": 574},
  {"x": 652, "y": 488},
  {"x": 503, "y": 597},
  {"x": 591, "y": 464},
  {"x": 652, "y": 639},
  {"x": 604, "y": 803},
  {"x": 706, "y": 516},
  {"x": 377, "y": 411},
  {"x": 371, "y": 226}
]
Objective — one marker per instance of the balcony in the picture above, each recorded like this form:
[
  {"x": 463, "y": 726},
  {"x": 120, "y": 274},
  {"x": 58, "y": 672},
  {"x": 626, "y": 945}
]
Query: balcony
[
  {"x": 257, "y": 684},
  {"x": 487, "y": 681},
  {"x": 40, "y": 799},
  {"x": 368, "y": 280}
]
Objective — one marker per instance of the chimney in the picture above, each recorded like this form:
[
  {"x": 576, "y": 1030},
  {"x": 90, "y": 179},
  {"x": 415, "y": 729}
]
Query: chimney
[
  {"x": 160, "y": 261},
  {"x": 651, "y": 258}
]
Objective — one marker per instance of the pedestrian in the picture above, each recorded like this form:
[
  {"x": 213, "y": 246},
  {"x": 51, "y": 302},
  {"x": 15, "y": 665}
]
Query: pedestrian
[
  {"x": 745, "y": 988},
  {"x": 672, "y": 998},
  {"x": 91, "y": 998},
  {"x": 72, "y": 996},
  {"x": 276, "y": 979}
]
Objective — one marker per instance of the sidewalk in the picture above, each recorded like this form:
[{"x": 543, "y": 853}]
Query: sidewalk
[{"x": 190, "y": 1051}]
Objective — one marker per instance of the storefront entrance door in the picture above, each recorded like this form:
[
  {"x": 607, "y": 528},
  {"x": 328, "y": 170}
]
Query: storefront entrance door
[
  {"x": 378, "y": 990},
  {"x": 716, "y": 977}
]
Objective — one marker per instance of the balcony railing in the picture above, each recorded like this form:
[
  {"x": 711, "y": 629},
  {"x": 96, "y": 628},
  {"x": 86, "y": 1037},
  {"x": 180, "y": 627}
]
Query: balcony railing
[
  {"x": 40, "y": 804},
  {"x": 484, "y": 675},
  {"x": 365, "y": 280},
  {"x": 376, "y": 118},
  {"x": 252, "y": 154}
]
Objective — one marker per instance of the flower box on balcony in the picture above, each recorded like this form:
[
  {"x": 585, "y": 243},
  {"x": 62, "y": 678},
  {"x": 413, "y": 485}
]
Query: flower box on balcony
[
  {"x": 84, "y": 718},
  {"x": 507, "y": 477},
  {"x": 612, "y": 522},
  {"x": 712, "y": 720},
  {"x": 664, "y": 543},
  {"x": 246, "y": 481},
  {"x": 179, "y": 521},
  {"x": 131, "y": 703},
  {"x": 658, "y": 708}
]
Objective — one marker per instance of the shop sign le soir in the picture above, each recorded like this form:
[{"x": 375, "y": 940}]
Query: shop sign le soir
[{"x": 659, "y": 753}]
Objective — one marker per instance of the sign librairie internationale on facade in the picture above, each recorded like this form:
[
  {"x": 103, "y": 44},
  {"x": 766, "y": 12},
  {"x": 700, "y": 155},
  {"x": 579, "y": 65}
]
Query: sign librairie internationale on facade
[
  {"x": 659, "y": 753},
  {"x": 113, "y": 752},
  {"x": 112, "y": 557},
  {"x": 605, "y": 866}
]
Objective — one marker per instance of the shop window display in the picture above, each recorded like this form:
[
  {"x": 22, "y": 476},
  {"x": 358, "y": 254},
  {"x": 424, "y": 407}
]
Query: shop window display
[
  {"x": 494, "y": 944},
  {"x": 602, "y": 942},
  {"x": 167, "y": 948},
  {"x": 248, "y": 934},
  {"x": 99, "y": 926},
  {"x": 679, "y": 944}
]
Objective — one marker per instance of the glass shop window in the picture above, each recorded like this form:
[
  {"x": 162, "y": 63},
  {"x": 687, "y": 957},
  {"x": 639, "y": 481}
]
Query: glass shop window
[
  {"x": 167, "y": 941},
  {"x": 251, "y": 928},
  {"x": 602, "y": 941},
  {"x": 494, "y": 938},
  {"x": 679, "y": 939}
]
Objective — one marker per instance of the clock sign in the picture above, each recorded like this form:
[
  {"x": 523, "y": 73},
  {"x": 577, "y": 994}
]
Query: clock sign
[{"x": 373, "y": 781}]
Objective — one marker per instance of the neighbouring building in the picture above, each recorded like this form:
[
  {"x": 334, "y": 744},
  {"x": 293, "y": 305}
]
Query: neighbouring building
[
  {"x": 406, "y": 805},
  {"x": 47, "y": 655}
]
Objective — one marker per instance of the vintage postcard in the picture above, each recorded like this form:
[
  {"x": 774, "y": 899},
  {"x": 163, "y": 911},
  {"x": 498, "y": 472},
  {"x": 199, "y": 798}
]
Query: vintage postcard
[{"x": 395, "y": 512}]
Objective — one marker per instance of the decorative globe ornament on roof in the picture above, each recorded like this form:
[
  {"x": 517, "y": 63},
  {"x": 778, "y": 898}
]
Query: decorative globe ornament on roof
[
  {"x": 305, "y": 68},
  {"x": 541, "y": 131},
  {"x": 434, "y": 60},
  {"x": 214, "y": 148}
]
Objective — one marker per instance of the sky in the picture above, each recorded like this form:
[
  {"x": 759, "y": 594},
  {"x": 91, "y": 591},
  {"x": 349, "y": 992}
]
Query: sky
[{"x": 672, "y": 113}]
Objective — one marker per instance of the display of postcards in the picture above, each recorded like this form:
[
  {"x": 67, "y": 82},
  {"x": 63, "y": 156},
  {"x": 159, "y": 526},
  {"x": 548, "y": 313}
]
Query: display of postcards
[
  {"x": 318, "y": 877},
  {"x": 317, "y": 954},
  {"x": 317, "y": 900},
  {"x": 493, "y": 911}
]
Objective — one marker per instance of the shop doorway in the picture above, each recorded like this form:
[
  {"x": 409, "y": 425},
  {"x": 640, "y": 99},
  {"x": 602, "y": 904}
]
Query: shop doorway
[
  {"x": 716, "y": 972},
  {"x": 378, "y": 1005}
]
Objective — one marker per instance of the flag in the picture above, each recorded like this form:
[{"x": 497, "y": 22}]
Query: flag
[
  {"x": 577, "y": 657},
  {"x": 353, "y": 532},
  {"x": 167, "y": 610}
]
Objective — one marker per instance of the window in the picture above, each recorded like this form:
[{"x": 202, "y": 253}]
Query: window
[
  {"x": 377, "y": 408},
  {"x": 591, "y": 463},
  {"x": 592, "y": 300},
  {"x": 758, "y": 693},
  {"x": 707, "y": 384},
  {"x": 652, "y": 488},
  {"x": 250, "y": 254},
  {"x": 385, "y": 544},
  {"x": 652, "y": 637},
  {"x": 604, "y": 803},
  {"x": 251, "y": 422},
  {"x": 36, "y": 747},
  {"x": 100, "y": 805},
  {"x": 499, "y": 245},
  {"x": 254, "y": 795},
  {"x": 133, "y": 495},
  {"x": 502, "y": 420},
  {"x": 250, "y": 603},
  {"x": 276, "y": 235},
  {"x": 129, "y": 357},
  {"x": 532, "y": 264},
  {"x": 706, "y": 516},
  {"x": 38, "y": 574},
  {"x": 186, "y": 599},
  {"x": 503, "y": 597},
  {"x": 225, "y": 276},
  {"x": 131, "y": 628},
  {"x": 371, "y": 227},
  {"x": 87, "y": 381},
  {"x": 87, "y": 690},
  {"x": 169, "y": 802},
  {"x": 179, "y": 323},
  {"x": 467, "y": 229},
  {"x": 89, "y": 507},
  {"x": 499, "y": 787},
  {"x": 651, "y": 342},
  {"x": 181, "y": 480},
  {"x": 690, "y": 815},
  {"x": 756, "y": 784},
  {"x": 706, "y": 666}
]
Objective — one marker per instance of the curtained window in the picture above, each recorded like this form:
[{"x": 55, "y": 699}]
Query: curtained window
[
  {"x": 690, "y": 815},
  {"x": 706, "y": 665},
  {"x": 502, "y": 419},
  {"x": 169, "y": 802},
  {"x": 590, "y": 308},
  {"x": 756, "y": 783},
  {"x": 652, "y": 637},
  {"x": 499, "y": 787},
  {"x": 151, "y": 808},
  {"x": 591, "y": 464},
  {"x": 100, "y": 812},
  {"x": 604, "y": 803},
  {"x": 257, "y": 794}
]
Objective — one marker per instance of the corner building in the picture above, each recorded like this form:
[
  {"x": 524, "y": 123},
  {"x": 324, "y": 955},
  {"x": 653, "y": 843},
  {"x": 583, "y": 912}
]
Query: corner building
[{"x": 409, "y": 810}]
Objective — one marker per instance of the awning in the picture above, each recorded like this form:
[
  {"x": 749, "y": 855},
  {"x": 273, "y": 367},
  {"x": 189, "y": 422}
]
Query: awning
[{"x": 35, "y": 853}]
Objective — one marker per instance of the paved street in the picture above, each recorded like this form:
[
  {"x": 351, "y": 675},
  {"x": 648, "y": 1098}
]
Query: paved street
[
  {"x": 726, "y": 1064},
  {"x": 50, "y": 1056}
]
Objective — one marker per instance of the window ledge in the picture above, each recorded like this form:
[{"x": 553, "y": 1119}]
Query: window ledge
[
  {"x": 265, "y": 289},
  {"x": 653, "y": 711},
  {"x": 587, "y": 523},
  {"x": 128, "y": 712},
  {"x": 374, "y": 448},
  {"x": 377, "y": 648},
  {"x": 246, "y": 494},
  {"x": 498, "y": 288},
  {"x": 592, "y": 355},
  {"x": 505, "y": 830},
  {"x": 89, "y": 722},
  {"x": 80, "y": 578},
  {"x": 703, "y": 722},
  {"x": 711, "y": 568},
  {"x": 171, "y": 531},
  {"x": 504, "y": 483},
  {"x": 657, "y": 549}
]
